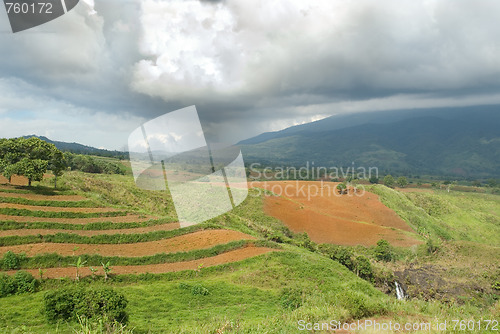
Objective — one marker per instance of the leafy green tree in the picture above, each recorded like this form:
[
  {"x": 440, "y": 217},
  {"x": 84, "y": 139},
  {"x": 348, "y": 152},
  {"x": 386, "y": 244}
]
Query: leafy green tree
[
  {"x": 389, "y": 181},
  {"x": 383, "y": 251},
  {"x": 342, "y": 187},
  {"x": 402, "y": 181},
  {"x": 29, "y": 157},
  {"x": 373, "y": 180}
]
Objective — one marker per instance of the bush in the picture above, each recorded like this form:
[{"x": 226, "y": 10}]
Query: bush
[
  {"x": 7, "y": 285},
  {"x": 383, "y": 251},
  {"x": 389, "y": 181},
  {"x": 364, "y": 268},
  {"x": 92, "y": 303},
  {"x": 343, "y": 256},
  {"x": 199, "y": 290},
  {"x": 291, "y": 298},
  {"x": 25, "y": 282},
  {"x": 432, "y": 246},
  {"x": 11, "y": 261}
]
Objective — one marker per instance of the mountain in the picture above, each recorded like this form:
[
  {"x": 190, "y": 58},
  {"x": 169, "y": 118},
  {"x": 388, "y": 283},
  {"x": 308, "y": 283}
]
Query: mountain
[
  {"x": 455, "y": 142},
  {"x": 79, "y": 148}
]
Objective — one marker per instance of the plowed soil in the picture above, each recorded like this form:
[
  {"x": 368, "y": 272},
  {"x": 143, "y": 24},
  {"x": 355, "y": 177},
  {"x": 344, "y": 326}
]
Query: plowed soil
[
  {"x": 192, "y": 241},
  {"x": 54, "y": 209},
  {"x": 327, "y": 217},
  {"x": 15, "y": 180},
  {"x": 228, "y": 257},
  {"x": 88, "y": 233},
  {"x": 130, "y": 218}
]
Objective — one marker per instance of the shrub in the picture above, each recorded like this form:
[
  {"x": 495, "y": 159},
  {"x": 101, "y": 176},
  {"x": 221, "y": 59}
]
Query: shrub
[
  {"x": 373, "y": 180},
  {"x": 343, "y": 256},
  {"x": 431, "y": 246},
  {"x": 11, "y": 261},
  {"x": 92, "y": 303},
  {"x": 364, "y": 267},
  {"x": 402, "y": 181},
  {"x": 25, "y": 282},
  {"x": 199, "y": 290},
  {"x": 291, "y": 298},
  {"x": 7, "y": 285},
  {"x": 389, "y": 181},
  {"x": 383, "y": 251}
]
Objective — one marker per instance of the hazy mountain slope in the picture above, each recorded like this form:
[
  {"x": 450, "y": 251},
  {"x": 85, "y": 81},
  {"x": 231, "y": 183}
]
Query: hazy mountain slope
[{"x": 465, "y": 143}]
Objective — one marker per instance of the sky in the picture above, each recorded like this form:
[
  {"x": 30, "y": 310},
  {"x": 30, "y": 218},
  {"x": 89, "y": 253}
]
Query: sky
[{"x": 96, "y": 74}]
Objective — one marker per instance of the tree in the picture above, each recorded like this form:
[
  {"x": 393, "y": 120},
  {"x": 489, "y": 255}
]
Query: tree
[
  {"x": 383, "y": 251},
  {"x": 373, "y": 179},
  {"x": 57, "y": 164},
  {"x": 402, "y": 181},
  {"x": 29, "y": 157},
  {"x": 342, "y": 187},
  {"x": 389, "y": 181}
]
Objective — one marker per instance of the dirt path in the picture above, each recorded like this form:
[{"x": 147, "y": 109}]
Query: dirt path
[
  {"x": 89, "y": 233},
  {"x": 228, "y": 257},
  {"x": 35, "y": 197},
  {"x": 316, "y": 208},
  {"x": 187, "y": 242},
  {"x": 130, "y": 218},
  {"x": 54, "y": 209}
]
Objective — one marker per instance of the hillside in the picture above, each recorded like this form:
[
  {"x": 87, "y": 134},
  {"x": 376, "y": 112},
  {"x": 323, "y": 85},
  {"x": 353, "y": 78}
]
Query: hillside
[
  {"x": 462, "y": 143},
  {"x": 244, "y": 271},
  {"x": 80, "y": 148}
]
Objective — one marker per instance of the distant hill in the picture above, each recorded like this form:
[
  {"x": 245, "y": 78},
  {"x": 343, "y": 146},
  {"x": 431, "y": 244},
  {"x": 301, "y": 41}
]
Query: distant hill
[
  {"x": 454, "y": 142},
  {"x": 81, "y": 149}
]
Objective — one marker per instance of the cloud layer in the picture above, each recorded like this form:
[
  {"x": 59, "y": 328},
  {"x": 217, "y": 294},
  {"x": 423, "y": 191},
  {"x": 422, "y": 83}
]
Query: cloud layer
[{"x": 248, "y": 66}]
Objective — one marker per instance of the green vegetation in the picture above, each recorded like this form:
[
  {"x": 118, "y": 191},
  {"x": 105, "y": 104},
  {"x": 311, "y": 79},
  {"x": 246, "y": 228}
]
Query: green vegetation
[
  {"x": 55, "y": 260},
  {"x": 389, "y": 181},
  {"x": 90, "y": 164},
  {"x": 30, "y": 158},
  {"x": 59, "y": 214},
  {"x": 448, "y": 216},
  {"x": 20, "y": 282},
  {"x": 12, "y": 225},
  {"x": 72, "y": 302},
  {"x": 57, "y": 204}
]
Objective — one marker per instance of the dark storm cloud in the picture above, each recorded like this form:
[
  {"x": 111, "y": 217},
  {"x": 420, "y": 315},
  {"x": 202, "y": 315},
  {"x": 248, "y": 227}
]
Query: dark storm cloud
[{"x": 254, "y": 66}]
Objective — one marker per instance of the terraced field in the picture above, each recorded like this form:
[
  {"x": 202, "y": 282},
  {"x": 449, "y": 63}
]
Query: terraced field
[
  {"x": 52, "y": 224},
  {"x": 327, "y": 217}
]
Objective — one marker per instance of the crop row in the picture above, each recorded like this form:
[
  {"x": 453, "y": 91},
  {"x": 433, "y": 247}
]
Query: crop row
[
  {"x": 95, "y": 226},
  {"x": 54, "y": 214},
  {"x": 55, "y": 260},
  {"x": 103, "y": 238},
  {"x": 59, "y": 204}
]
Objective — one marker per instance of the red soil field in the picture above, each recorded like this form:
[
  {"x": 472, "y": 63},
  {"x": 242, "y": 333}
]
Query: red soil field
[
  {"x": 15, "y": 180},
  {"x": 89, "y": 233},
  {"x": 327, "y": 217},
  {"x": 228, "y": 257},
  {"x": 187, "y": 242}
]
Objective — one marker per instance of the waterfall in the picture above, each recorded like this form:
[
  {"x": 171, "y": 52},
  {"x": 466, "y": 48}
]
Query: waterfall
[{"x": 400, "y": 293}]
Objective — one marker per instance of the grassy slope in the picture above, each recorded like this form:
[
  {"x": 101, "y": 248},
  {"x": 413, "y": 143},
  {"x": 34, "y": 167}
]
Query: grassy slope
[{"x": 245, "y": 297}]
